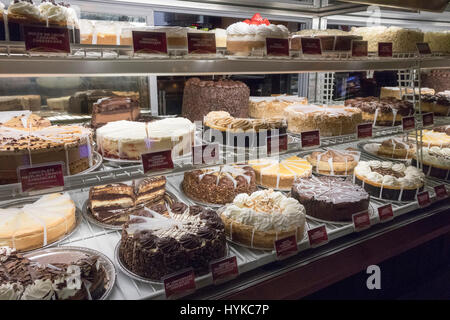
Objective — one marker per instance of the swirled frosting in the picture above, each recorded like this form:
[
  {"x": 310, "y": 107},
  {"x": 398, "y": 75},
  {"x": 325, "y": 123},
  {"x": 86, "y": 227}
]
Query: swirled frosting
[
  {"x": 52, "y": 11},
  {"x": 24, "y": 8},
  {"x": 266, "y": 210},
  {"x": 257, "y": 29}
]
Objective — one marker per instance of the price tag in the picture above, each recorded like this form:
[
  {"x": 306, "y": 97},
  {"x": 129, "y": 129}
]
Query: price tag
[
  {"x": 201, "y": 43},
  {"x": 423, "y": 199},
  {"x": 286, "y": 247},
  {"x": 408, "y": 123},
  {"x": 361, "y": 221},
  {"x": 423, "y": 48},
  {"x": 43, "y": 39},
  {"x": 317, "y": 236},
  {"x": 311, "y": 46},
  {"x": 156, "y": 161},
  {"x": 441, "y": 192},
  {"x": 428, "y": 119},
  {"x": 385, "y": 49},
  {"x": 280, "y": 142},
  {"x": 343, "y": 43},
  {"x": 205, "y": 154},
  {"x": 224, "y": 269},
  {"x": 277, "y": 47},
  {"x": 385, "y": 213},
  {"x": 327, "y": 42},
  {"x": 149, "y": 42},
  {"x": 180, "y": 284},
  {"x": 310, "y": 139},
  {"x": 36, "y": 179},
  {"x": 365, "y": 130},
  {"x": 360, "y": 48}
]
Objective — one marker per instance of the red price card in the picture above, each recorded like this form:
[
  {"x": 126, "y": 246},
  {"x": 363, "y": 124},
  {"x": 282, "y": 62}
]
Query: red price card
[
  {"x": 385, "y": 49},
  {"x": 205, "y": 154},
  {"x": 423, "y": 48},
  {"x": 385, "y": 213},
  {"x": 278, "y": 143},
  {"x": 180, "y": 284},
  {"x": 317, "y": 236},
  {"x": 277, "y": 47},
  {"x": 441, "y": 192},
  {"x": 311, "y": 46},
  {"x": 149, "y": 42},
  {"x": 310, "y": 139},
  {"x": 224, "y": 270},
  {"x": 156, "y": 161},
  {"x": 327, "y": 42},
  {"x": 43, "y": 39},
  {"x": 360, "y": 48},
  {"x": 423, "y": 199},
  {"x": 286, "y": 247},
  {"x": 361, "y": 221},
  {"x": 201, "y": 43},
  {"x": 428, "y": 119},
  {"x": 408, "y": 123},
  {"x": 365, "y": 130},
  {"x": 46, "y": 177}
]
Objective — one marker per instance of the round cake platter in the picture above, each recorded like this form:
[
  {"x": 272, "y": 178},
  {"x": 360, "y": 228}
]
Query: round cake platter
[
  {"x": 371, "y": 147},
  {"x": 20, "y": 203},
  {"x": 137, "y": 277},
  {"x": 71, "y": 254},
  {"x": 169, "y": 198},
  {"x": 198, "y": 202},
  {"x": 122, "y": 161}
]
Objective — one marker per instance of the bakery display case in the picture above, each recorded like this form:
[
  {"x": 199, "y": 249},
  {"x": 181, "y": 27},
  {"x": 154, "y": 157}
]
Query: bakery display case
[{"x": 161, "y": 165}]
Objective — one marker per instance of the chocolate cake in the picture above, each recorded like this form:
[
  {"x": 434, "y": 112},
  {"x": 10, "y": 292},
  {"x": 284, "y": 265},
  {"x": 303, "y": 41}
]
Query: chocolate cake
[
  {"x": 201, "y": 97},
  {"x": 113, "y": 203},
  {"x": 219, "y": 185},
  {"x": 330, "y": 198},
  {"x": 382, "y": 112},
  {"x": 154, "y": 246},
  {"x": 25, "y": 279},
  {"x": 114, "y": 109}
]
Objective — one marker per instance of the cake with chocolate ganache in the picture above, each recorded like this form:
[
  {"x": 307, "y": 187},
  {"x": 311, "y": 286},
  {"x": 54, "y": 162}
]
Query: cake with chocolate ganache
[
  {"x": 389, "y": 180},
  {"x": 330, "y": 198},
  {"x": 201, "y": 97},
  {"x": 382, "y": 112},
  {"x": 25, "y": 279},
  {"x": 257, "y": 220},
  {"x": 154, "y": 246},
  {"x": 219, "y": 185}
]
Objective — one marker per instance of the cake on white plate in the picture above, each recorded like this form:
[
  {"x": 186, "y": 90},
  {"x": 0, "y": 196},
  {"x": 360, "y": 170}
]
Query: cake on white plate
[{"x": 272, "y": 107}]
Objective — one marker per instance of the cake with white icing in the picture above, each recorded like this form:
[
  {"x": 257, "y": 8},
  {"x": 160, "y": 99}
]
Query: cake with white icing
[
  {"x": 280, "y": 174},
  {"x": 257, "y": 220},
  {"x": 272, "y": 107},
  {"x": 389, "y": 180},
  {"x": 219, "y": 185},
  {"x": 129, "y": 139},
  {"x": 436, "y": 162},
  {"x": 330, "y": 120},
  {"x": 249, "y": 37}
]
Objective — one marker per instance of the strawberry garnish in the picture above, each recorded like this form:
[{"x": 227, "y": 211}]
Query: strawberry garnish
[
  {"x": 257, "y": 17},
  {"x": 266, "y": 22},
  {"x": 247, "y": 21}
]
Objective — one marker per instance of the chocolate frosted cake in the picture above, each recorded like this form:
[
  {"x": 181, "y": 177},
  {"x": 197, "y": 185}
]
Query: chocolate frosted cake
[
  {"x": 154, "y": 246},
  {"x": 219, "y": 185},
  {"x": 330, "y": 198},
  {"x": 113, "y": 203},
  {"x": 382, "y": 112},
  {"x": 114, "y": 109},
  {"x": 201, "y": 97},
  {"x": 24, "y": 279}
]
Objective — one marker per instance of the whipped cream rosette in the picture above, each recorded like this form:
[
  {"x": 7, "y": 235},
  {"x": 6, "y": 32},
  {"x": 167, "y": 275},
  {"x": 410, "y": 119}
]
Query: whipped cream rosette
[
  {"x": 54, "y": 14},
  {"x": 389, "y": 180},
  {"x": 436, "y": 162},
  {"x": 20, "y": 13},
  {"x": 257, "y": 220},
  {"x": 249, "y": 37}
]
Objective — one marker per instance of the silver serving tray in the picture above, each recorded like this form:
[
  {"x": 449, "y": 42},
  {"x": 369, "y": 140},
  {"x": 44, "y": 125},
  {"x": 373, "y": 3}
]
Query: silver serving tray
[
  {"x": 137, "y": 277},
  {"x": 364, "y": 145},
  {"x": 22, "y": 202},
  {"x": 89, "y": 217},
  {"x": 65, "y": 254}
]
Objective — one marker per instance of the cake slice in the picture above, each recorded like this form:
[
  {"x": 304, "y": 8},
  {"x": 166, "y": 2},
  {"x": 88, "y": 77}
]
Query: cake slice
[
  {"x": 151, "y": 190},
  {"x": 111, "y": 201},
  {"x": 114, "y": 109}
]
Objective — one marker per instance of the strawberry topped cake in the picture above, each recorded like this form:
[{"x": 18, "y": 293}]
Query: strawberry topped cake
[{"x": 249, "y": 37}]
